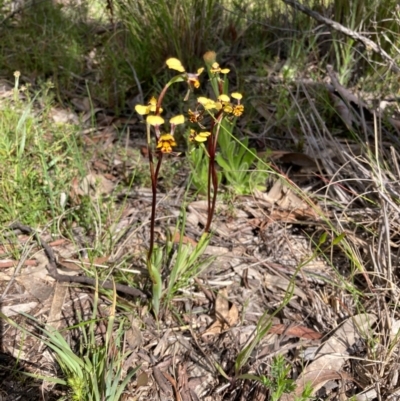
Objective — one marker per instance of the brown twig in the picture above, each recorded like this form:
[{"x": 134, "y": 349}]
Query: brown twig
[
  {"x": 52, "y": 267},
  {"x": 346, "y": 31}
]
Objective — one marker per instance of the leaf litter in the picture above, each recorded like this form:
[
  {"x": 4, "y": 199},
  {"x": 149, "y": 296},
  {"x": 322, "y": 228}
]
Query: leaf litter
[{"x": 317, "y": 205}]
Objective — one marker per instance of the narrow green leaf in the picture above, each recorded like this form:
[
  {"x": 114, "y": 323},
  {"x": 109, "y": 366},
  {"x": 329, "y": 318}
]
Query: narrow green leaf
[
  {"x": 337, "y": 240},
  {"x": 221, "y": 371},
  {"x": 322, "y": 238}
]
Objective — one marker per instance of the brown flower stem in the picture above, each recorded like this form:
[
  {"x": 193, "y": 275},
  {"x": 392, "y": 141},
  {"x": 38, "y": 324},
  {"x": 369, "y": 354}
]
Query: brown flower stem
[
  {"x": 220, "y": 86},
  {"x": 212, "y": 173},
  {"x": 160, "y": 99},
  {"x": 160, "y": 157},
  {"x": 211, "y": 160},
  {"x": 154, "y": 177},
  {"x": 214, "y": 178},
  {"x": 208, "y": 198},
  {"x": 153, "y": 205}
]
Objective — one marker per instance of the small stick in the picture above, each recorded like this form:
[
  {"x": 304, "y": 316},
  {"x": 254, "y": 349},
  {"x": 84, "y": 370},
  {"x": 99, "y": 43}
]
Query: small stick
[
  {"x": 52, "y": 267},
  {"x": 346, "y": 31}
]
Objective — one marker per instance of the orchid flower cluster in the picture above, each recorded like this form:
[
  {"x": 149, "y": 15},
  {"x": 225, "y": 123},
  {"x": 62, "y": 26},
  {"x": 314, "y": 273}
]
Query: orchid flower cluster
[{"x": 216, "y": 108}]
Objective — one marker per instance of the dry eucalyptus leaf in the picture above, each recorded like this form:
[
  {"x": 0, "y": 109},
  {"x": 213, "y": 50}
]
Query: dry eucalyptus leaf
[
  {"x": 133, "y": 335},
  {"x": 282, "y": 283},
  {"x": 62, "y": 116},
  {"x": 94, "y": 185},
  {"x": 82, "y": 103},
  {"x": 142, "y": 379},
  {"x": 226, "y": 317},
  {"x": 333, "y": 354},
  {"x": 295, "y": 331},
  {"x": 35, "y": 279},
  {"x": 299, "y": 159},
  {"x": 177, "y": 238},
  {"x": 222, "y": 304},
  {"x": 343, "y": 111},
  {"x": 13, "y": 310},
  {"x": 162, "y": 382},
  {"x": 285, "y": 198},
  {"x": 37, "y": 287}
]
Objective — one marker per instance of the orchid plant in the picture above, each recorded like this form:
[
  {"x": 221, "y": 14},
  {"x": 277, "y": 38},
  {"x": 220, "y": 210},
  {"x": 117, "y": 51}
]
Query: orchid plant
[{"x": 206, "y": 120}]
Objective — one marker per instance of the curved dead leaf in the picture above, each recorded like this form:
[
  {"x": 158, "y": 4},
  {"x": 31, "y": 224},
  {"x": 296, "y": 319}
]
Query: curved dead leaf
[
  {"x": 226, "y": 317},
  {"x": 332, "y": 355},
  {"x": 295, "y": 331}
]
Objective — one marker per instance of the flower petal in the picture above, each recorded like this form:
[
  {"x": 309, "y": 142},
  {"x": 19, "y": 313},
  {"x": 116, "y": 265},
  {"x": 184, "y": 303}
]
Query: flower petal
[
  {"x": 236, "y": 95},
  {"x": 165, "y": 143},
  {"x": 179, "y": 119},
  {"x": 175, "y": 64},
  {"x": 141, "y": 109},
  {"x": 203, "y": 100},
  {"x": 202, "y": 136},
  {"x": 215, "y": 68},
  {"x": 153, "y": 101},
  {"x": 238, "y": 110},
  {"x": 155, "y": 120},
  {"x": 228, "y": 109},
  {"x": 224, "y": 98},
  {"x": 212, "y": 105},
  {"x": 167, "y": 138}
]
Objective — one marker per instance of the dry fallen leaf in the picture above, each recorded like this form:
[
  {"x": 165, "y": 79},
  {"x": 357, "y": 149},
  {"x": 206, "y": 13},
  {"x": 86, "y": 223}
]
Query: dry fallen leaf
[
  {"x": 284, "y": 197},
  {"x": 93, "y": 185},
  {"x": 36, "y": 279},
  {"x": 295, "y": 158},
  {"x": 37, "y": 287},
  {"x": 12, "y": 263},
  {"x": 283, "y": 283},
  {"x": 295, "y": 331},
  {"x": 63, "y": 116},
  {"x": 162, "y": 382},
  {"x": 13, "y": 310},
  {"x": 226, "y": 317},
  {"x": 142, "y": 379},
  {"x": 133, "y": 335},
  {"x": 82, "y": 263},
  {"x": 332, "y": 355},
  {"x": 176, "y": 237}
]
